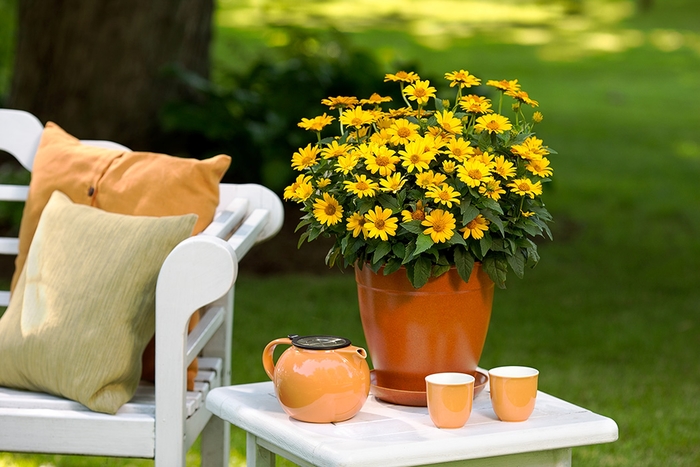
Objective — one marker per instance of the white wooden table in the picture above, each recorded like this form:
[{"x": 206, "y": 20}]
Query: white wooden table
[{"x": 386, "y": 435}]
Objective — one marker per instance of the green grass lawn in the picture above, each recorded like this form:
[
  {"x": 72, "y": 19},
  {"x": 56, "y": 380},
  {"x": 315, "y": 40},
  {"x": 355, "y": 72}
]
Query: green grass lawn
[{"x": 611, "y": 315}]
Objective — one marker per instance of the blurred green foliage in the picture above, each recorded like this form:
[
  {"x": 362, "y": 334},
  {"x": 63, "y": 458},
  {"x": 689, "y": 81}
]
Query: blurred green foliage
[{"x": 252, "y": 113}]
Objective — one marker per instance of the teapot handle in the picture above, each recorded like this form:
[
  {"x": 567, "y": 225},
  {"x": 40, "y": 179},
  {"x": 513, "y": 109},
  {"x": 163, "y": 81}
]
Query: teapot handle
[{"x": 268, "y": 355}]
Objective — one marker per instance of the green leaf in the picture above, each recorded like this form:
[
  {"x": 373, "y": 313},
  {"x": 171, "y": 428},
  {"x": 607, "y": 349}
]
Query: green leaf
[
  {"x": 464, "y": 262},
  {"x": 389, "y": 202},
  {"x": 423, "y": 242},
  {"x": 332, "y": 256},
  {"x": 410, "y": 248},
  {"x": 456, "y": 239},
  {"x": 468, "y": 211},
  {"x": 393, "y": 265},
  {"x": 440, "y": 269},
  {"x": 497, "y": 268},
  {"x": 413, "y": 227},
  {"x": 421, "y": 272},
  {"x": 491, "y": 204},
  {"x": 302, "y": 224},
  {"x": 494, "y": 219},
  {"x": 485, "y": 244},
  {"x": 381, "y": 251},
  {"x": 399, "y": 250},
  {"x": 517, "y": 263},
  {"x": 302, "y": 237}
]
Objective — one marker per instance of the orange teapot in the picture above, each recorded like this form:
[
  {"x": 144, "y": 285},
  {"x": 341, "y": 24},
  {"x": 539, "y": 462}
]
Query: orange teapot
[{"x": 319, "y": 379}]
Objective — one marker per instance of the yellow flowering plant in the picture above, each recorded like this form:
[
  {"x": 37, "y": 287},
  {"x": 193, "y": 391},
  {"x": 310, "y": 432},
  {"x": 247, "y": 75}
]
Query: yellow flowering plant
[{"x": 423, "y": 188}]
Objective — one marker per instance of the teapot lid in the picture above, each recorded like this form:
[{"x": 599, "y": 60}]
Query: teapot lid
[{"x": 319, "y": 342}]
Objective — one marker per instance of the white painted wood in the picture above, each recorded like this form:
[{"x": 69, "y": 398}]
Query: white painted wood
[
  {"x": 4, "y": 298},
  {"x": 386, "y": 435},
  {"x": 259, "y": 197},
  {"x": 9, "y": 246},
  {"x": 245, "y": 237},
  {"x": 228, "y": 218},
  {"x": 14, "y": 192},
  {"x": 198, "y": 338},
  {"x": 161, "y": 420},
  {"x": 20, "y": 133}
]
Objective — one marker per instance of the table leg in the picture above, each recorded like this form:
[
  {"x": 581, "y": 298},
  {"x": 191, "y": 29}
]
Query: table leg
[{"x": 256, "y": 455}]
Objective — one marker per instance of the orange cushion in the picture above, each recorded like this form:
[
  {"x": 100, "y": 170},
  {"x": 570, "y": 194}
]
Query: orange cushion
[{"x": 124, "y": 182}]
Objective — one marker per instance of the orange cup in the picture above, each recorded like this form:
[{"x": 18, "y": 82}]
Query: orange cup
[
  {"x": 450, "y": 397},
  {"x": 513, "y": 392}
]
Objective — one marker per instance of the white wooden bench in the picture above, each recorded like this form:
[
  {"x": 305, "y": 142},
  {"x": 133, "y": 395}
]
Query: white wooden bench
[{"x": 162, "y": 421}]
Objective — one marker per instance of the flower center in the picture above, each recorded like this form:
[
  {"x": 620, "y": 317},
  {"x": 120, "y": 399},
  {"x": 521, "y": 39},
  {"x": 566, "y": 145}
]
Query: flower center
[
  {"x": 404, "y": 132},
  {"x": 330, "y": 210},
  {"x": 419, "y": 92},
  {"x": 356, "y": 122},
  {"x": 523, "y": 187},
  {"x": 415, "y": 158},
  {"x": 362, "y": 186},
  {"x": 379, "y": 224},
  {"x": 439, "y": 225},
  {"x": 444, "y": 195},
  {"x": 382, "y": 161},
  {"x": 475, "y": 174},
  {"x": 418, "y": 215},
  {"x": 493, "y": 125}
]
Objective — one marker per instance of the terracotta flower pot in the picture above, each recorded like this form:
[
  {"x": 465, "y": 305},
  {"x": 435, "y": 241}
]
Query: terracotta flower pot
[{"x": 412, "y": 333}]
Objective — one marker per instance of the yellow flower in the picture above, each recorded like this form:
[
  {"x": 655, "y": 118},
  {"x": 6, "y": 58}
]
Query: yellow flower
[
  {"x": 429, "y": 178},
  {"x": 441, "y": 225},
  {"x": 383, "y": 161},
  {"x": 347, "y": 162},
  {"x": 537, "y": 117},
  {"x": 316, "y": 123},
  {"x": 531, "y": 148},
  {"x": 418, "y": 214},
  {"x": 380, "y": 138},
  {"x": 340, "y": 102},
  {"x": 503, "y": 167},
  {"x": 504, "y": 84},
  {"x": 443, "y": 194},
  {"x": 323, "y": 182},
  {"x": 492, "y": 189},
  {"x": 305, "y": 158},
  {"x": 522, "y": 96},
  {"x": 493, "y": 123},
  {"x": 335, "y": 150},
  {"x": 292, "y": 191},
  {"x": 415, "y": 157},
  {"x": 362, "y": 186},
  {"x": 392, "y": 183},
  {"x": 473, "y": 173},
  {"x": 419, "y": 91},
  {"x": 462, "y": 78},
  {"x": 375, "y": 99},
  {"x": 449, "y": 166},
  {"x": 402, "y": 131},
  {"x": 356, "y": 117},
  {"x": 475, "y": 104},
  {"x": 380, "y": 223},
  {"x": 402, "y": 76},
  {"x": 475, "y": 228},
  {"x": 449, "y": 122},
  {"x": 460, "y": 149},
  {"x": 540, "y": 167},
  {"x": 356, "y": 224},
  {"x": 525, "y": 187},
  {"x": 328, "y": 210}
]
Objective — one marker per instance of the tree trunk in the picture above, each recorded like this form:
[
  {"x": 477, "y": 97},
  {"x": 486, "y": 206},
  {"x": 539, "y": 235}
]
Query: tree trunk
[{"x": 103, "y": 69}]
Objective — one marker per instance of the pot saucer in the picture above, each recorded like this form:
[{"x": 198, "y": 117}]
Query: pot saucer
[{"x": 416, "y": 398}]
